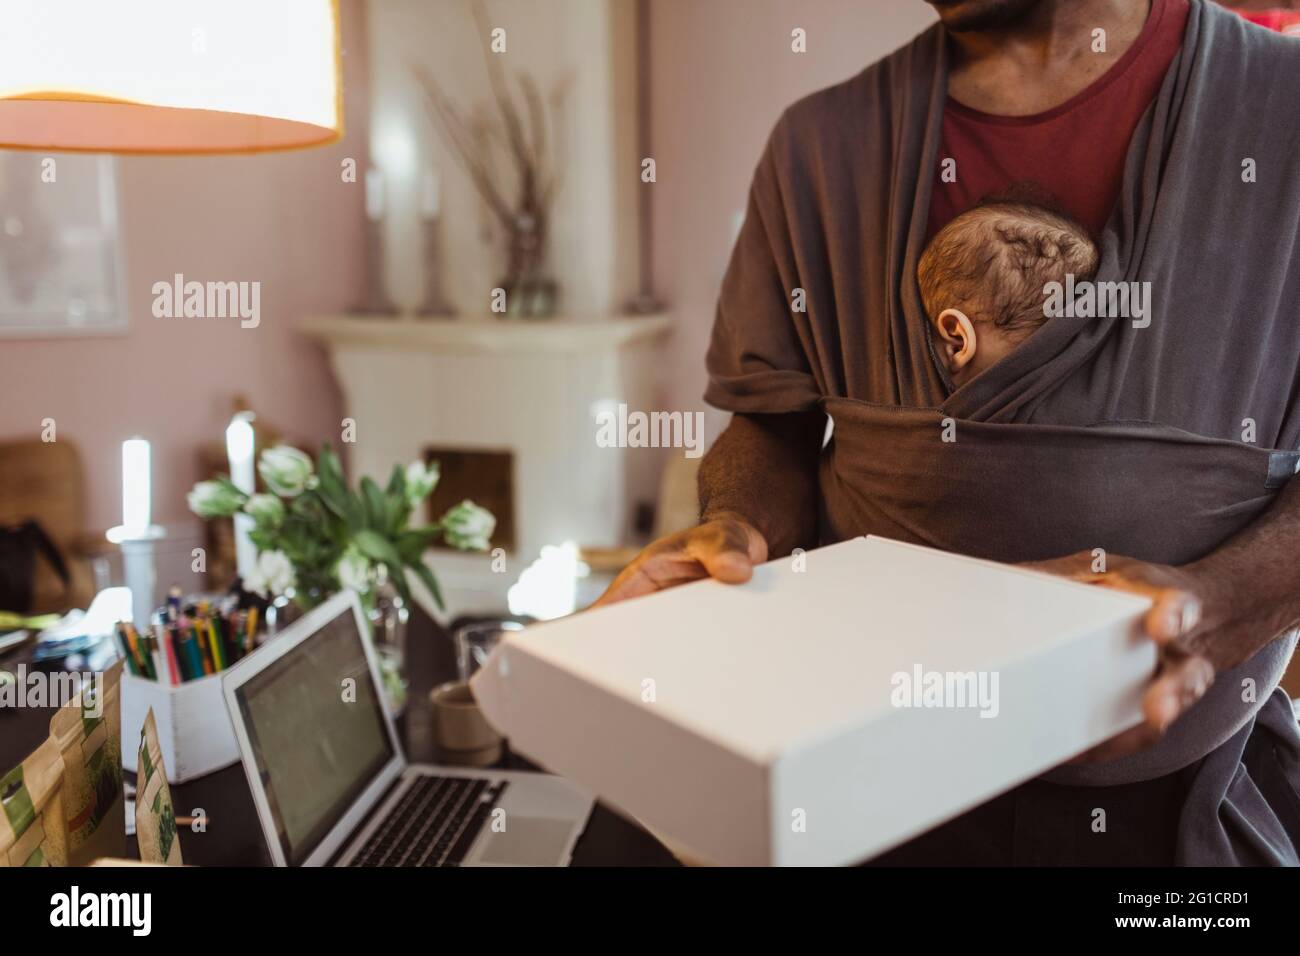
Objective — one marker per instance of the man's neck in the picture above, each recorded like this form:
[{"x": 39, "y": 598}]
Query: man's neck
[{"x": 1044, "y": 59}]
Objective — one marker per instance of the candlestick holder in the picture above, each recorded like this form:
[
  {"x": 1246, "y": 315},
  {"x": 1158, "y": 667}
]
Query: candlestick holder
[
  {"x": 138, "y": 547},
  {"x": 376, "y": 300},
  {"x": 435, "y": 304}
]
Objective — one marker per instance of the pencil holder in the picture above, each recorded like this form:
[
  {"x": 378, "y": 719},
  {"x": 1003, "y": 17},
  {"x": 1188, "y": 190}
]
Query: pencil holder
[
  {"x": 193, "y": 728},
  {"x": 175, "y": 667}
]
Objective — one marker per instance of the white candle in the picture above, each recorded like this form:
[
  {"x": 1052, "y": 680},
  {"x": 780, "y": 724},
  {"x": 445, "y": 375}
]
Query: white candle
[
  {"x": 136, "y": 487},
  {"x": 240, "y": 450},
  {"x": 374, "y": 195},
  {"x": 431, "y": 196}
]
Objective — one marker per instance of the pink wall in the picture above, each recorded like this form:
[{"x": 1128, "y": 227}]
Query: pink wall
[
  {"x": 284, "y": 219},
  {"x": 723, "y": 71}
]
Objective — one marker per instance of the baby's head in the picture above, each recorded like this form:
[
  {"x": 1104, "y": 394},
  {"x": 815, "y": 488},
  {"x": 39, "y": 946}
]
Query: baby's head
[{"x": 982, "y": 278}]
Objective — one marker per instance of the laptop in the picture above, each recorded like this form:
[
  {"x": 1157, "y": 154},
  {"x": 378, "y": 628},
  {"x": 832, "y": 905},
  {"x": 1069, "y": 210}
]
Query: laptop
[{"x": 332, "y": 786}]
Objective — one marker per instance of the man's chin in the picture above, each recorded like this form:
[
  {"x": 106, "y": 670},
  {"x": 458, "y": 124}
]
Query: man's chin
[{"x": 966, "y": 16}]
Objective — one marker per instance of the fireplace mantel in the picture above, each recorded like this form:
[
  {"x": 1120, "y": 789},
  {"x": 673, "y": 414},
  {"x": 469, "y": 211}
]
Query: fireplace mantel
[
  {"x": 533, "y": 389},
  {"x": 479, "y": 334}
]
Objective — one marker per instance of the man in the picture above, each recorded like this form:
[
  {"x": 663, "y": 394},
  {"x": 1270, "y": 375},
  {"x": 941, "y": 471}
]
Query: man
[{"x": 1143, "y": 119}]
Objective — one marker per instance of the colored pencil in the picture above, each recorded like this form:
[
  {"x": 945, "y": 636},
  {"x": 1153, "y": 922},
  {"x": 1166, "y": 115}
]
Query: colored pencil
[
  {"x": 119, "y": 636},
  {"x": 194, "y": 655},
  {"x": 201, "y": 642},
  {"x": 163, "y": 637},
  {"x": 219, "y": 661}
]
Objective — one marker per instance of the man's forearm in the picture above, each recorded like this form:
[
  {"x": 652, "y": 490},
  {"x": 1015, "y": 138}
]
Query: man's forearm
[
  {"x": 1256, "y": 575},
  {"x": 763, "y": 469}
]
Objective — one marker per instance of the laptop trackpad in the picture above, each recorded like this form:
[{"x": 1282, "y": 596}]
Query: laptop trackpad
[{"x": 527, "y": 841}]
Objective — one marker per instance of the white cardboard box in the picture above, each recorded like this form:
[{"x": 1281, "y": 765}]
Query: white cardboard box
[{"x": 762, "y": 724}]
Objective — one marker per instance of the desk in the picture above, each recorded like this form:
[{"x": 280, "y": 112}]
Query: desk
[{"x": 234, "y": 837}]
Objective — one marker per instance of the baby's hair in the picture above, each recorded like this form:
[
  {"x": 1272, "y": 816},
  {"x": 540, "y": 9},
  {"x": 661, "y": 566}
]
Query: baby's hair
[{"x": 994, "y": 260}]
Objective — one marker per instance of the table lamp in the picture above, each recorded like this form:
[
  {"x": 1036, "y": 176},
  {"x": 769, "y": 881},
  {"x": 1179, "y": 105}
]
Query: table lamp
[{"x": 157, "y": 76}]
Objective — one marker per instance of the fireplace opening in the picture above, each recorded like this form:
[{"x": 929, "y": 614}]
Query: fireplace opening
[{"x": 485, "y": 477}]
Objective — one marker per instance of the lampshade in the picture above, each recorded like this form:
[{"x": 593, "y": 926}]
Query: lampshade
[{"x": 169, "y": 76}]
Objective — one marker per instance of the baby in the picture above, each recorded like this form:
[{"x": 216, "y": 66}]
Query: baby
[{"x": 982, "y": 279}]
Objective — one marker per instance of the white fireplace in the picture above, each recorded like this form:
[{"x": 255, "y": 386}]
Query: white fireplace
[{"x": 523, "y": 394}]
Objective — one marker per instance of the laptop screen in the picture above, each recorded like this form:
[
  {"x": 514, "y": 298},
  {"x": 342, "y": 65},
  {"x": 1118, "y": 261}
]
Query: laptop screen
[{"x": 316, "y": 731}]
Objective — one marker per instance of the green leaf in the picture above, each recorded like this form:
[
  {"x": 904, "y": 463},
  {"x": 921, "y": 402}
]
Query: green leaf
[
  {"x": 412, "y": 544},
  {"x": 397, "y": 575},
  {"x": 399, "y": 508},
  {"x": 376, "y": 547},
  {"x": 331, "y": 489},
  {"x": 376, "y": 509},
  {"x": 397, "y": 483},
  {"x": 425, "y": 574},
  {"x": 380, "y": 550},
  {"x": 329, "y": 464},
  {"x": 330, "y": 497}
]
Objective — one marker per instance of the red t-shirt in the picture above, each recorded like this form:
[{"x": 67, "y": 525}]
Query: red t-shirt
[{"x": 1076, "y": 150}]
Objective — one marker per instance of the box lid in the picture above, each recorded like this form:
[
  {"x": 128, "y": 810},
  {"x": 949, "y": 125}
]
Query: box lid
[{"x": 810, "y": 649}]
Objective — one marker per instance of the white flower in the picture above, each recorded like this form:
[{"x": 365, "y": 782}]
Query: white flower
[
  {"x": 266, "y": 510},
  {"x": 420, "y": 481},
  {"x": 272, "y": 576},
  {"x": 353, "y": 571},
  {"x": 286, "y": 471},
  {"x": 468, "y": 527},
  {"x": 214, "y": 499}
]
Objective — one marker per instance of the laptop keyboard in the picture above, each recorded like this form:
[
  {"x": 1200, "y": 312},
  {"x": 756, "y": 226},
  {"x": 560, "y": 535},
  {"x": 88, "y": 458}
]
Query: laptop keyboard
[{"x": 434, "y": 824}]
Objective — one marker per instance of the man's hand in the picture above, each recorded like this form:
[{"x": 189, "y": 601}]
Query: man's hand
[
  {"x": 725, "y": 547},
  {"x": 1193, "y": 625}
]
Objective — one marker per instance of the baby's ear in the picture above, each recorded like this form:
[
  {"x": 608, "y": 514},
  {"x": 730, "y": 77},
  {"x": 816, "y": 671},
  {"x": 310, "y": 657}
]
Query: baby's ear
[
  {"x": 958, "y": 335},
  {"x": 949, "y": 323}
]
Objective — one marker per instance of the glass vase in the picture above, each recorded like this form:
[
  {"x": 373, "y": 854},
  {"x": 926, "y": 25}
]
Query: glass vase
[{"x": 388, "y": 616}]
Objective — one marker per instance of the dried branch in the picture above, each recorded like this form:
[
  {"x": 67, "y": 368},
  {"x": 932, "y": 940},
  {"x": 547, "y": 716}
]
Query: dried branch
[
  {"x": 460, "y": 136},
  {"x": 559, "y": 102},
  {"x": 501, "y": 92},
  {"x": 536, "y": 121}
]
